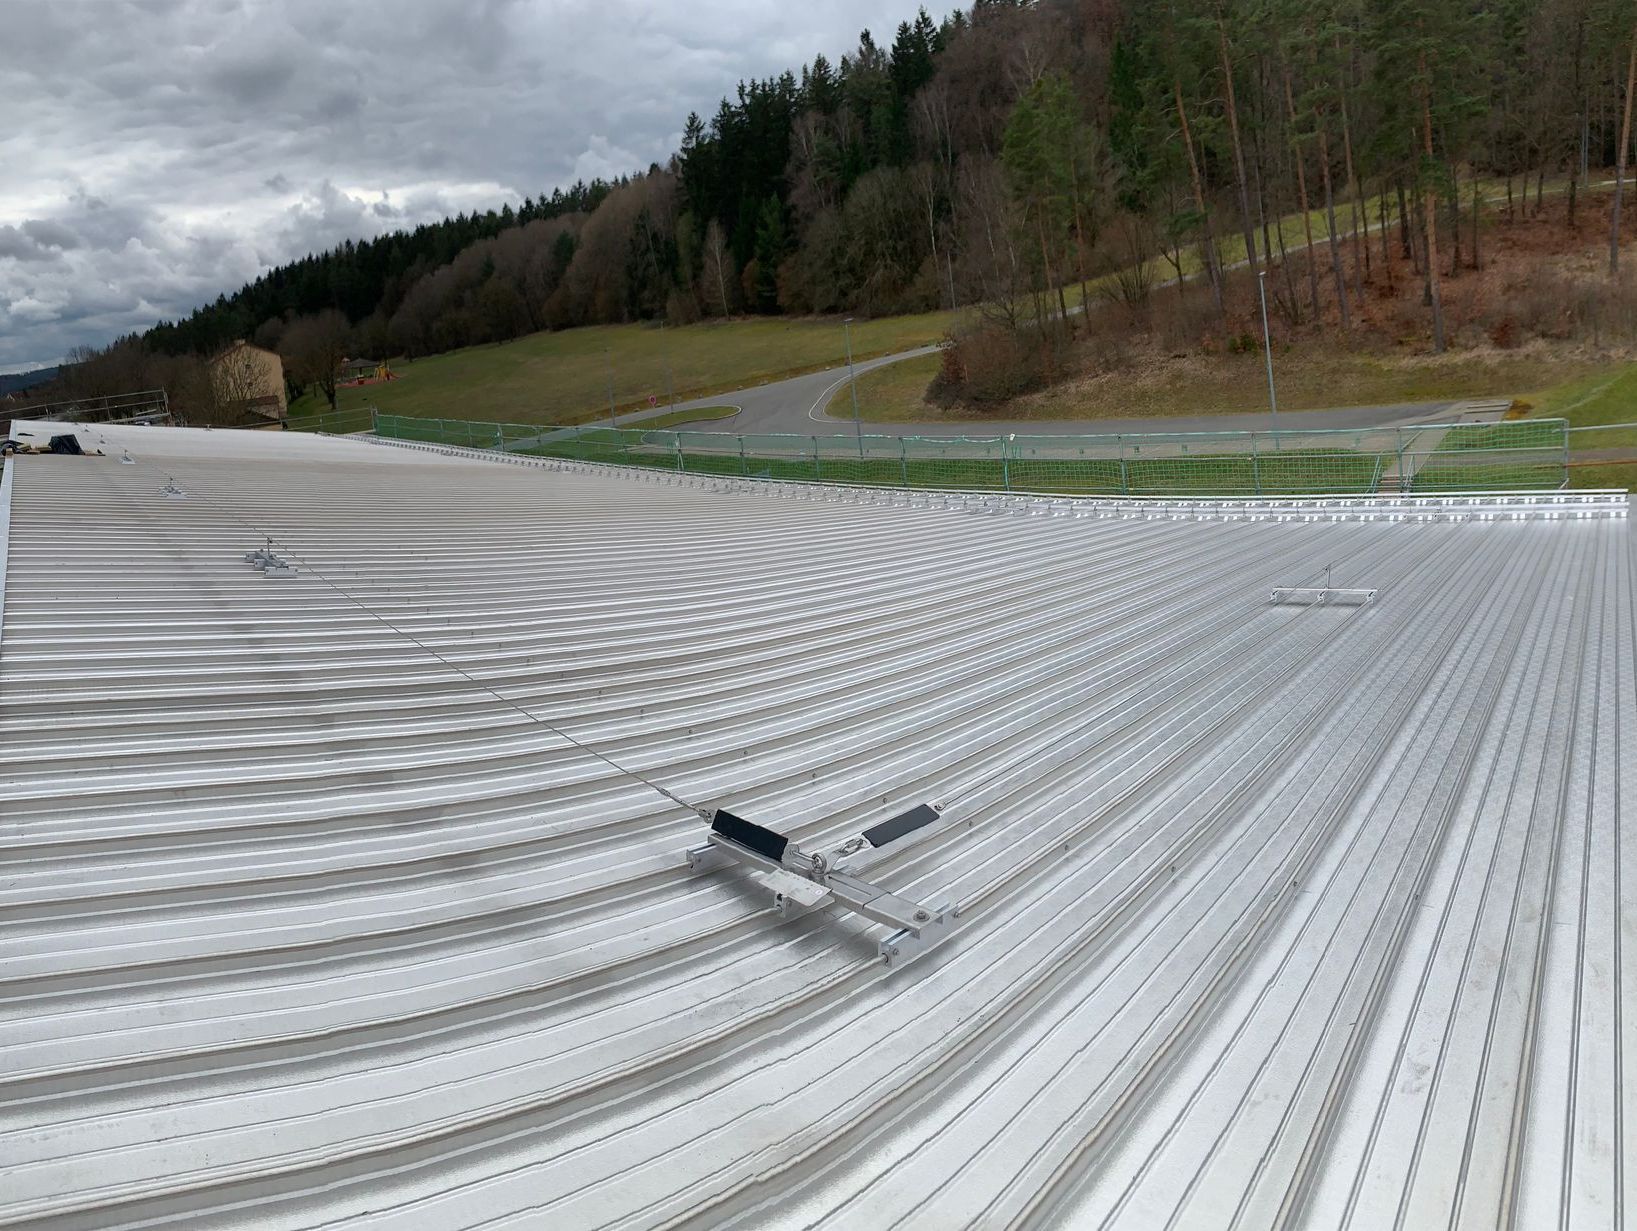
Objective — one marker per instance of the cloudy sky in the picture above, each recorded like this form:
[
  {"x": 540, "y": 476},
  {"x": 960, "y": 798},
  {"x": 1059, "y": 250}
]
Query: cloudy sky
[{"x": 155, "y": 153}]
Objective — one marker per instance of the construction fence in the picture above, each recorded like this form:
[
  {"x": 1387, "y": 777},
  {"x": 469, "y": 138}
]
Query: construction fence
[
  {"x": 1526, "y": 454},
  {"x": 335, "y": 422}
]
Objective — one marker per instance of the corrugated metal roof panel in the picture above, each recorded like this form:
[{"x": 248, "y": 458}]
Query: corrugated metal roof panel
[{"x": 1301, "y": 916}]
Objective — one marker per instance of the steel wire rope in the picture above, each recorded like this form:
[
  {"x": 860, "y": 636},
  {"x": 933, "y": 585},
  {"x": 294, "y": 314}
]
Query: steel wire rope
[{"x": 294, "y": 554}]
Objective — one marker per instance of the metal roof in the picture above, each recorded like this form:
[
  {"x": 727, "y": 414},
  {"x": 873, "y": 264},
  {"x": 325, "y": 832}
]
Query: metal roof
[{"x": 1270, "y": 915}]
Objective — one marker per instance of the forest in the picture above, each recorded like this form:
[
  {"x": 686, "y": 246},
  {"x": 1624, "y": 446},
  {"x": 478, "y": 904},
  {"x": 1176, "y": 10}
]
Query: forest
[{"x": 1014, "y": 155}]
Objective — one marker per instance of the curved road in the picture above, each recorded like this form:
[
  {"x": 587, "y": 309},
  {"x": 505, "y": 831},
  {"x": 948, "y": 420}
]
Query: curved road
[{"x": 796, "y": 407}]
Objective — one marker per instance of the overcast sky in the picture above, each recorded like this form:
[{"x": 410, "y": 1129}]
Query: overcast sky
[{"x": 156, "y": 153}]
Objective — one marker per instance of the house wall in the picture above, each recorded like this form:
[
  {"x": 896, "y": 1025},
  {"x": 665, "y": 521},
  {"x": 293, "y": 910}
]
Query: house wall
[{"x": 253, "y": 376}]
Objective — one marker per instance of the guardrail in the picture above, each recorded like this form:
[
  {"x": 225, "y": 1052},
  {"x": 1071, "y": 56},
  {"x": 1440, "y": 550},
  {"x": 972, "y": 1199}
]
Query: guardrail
[
  {"x": 1604, "y": 435},
  {"x": 142, "y": 406},
  {"x": 1520, "y": 455},
  {"x": 337, "y": 422}
]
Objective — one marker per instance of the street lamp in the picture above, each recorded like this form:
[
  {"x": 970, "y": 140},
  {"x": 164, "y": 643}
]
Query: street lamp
[
  {"x": 670, "y": 383},
  {"x": 852, "y": 384},
  {"x": 1267, "y": 344}
]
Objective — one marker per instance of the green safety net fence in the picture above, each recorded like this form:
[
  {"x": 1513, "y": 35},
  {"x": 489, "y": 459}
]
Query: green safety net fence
[
  {"x": 335, "y": 422},
  {"x": 1526, "y": 454}
]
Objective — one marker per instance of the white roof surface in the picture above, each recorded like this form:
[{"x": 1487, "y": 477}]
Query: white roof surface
[{"x": 1270, "y": 915}]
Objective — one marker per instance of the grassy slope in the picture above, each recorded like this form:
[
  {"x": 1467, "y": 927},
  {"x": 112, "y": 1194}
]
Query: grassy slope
[
  {"x": 563, "y": 377},
  {"x": 1606, "y": 395},
  {"x": 1615, "y": 474},
  {"x": 1308, "y": 379},
  {"x": 1603, "y": 397}
]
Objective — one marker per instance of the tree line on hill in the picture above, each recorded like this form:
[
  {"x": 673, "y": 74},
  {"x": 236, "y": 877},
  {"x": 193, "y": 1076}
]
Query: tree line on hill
[{"x": 1016, "y": 149}]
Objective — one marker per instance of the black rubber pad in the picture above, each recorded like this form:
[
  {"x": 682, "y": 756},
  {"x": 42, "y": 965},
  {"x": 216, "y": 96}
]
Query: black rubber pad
[
  {"x": 747, "y": 833},
  {"x": 904, "y": 823}
]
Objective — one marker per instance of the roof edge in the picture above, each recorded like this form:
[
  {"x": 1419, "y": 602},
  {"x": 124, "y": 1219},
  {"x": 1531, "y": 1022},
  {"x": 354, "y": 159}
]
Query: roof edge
[
  {"x": 1475, "y": 505},
  {"x": 7, "y": 475}
]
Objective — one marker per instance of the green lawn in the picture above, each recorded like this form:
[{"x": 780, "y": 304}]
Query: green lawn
[
  {"x": 563, "y": 377},
  {"x": 677, "y": 418},
  {"x": 1219, "y": 475},
  {"x": 962, "y": 466},
  {"x": 890, "y": 394},
  {"x": 1613, "y": 474},
  {"x": 1607, "y": 395}
]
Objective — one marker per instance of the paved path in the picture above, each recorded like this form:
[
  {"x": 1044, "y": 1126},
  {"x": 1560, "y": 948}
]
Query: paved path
[{"x": 796, "y": 406}]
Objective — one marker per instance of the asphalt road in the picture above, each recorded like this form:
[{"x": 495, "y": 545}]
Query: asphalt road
[{"x": 796, "y": 407}]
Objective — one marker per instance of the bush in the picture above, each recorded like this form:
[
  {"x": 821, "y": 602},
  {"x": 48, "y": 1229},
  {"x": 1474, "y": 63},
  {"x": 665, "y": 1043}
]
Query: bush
[
  {"x": 991, "y": 363},
  {"x": 1505, "y": 334},
  {"x": 1550, "y": 301},
  {"x": 1183, "y": 322}
]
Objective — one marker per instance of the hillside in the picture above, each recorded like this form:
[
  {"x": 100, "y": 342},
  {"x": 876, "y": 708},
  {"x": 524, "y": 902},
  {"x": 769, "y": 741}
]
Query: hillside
[
  {"x": 1004, "y": 155},
  {"x": 564, "y": 377},
  {"x": 1534, "y": 308},
  {"x": 17, "y": 382}
]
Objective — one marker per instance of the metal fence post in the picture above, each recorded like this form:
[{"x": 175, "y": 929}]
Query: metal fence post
[
  {"x": 676, "y": 442},
  {"x": 1255, "y": 466},
  {"x": 1564, "y": 430},
  {"x": 1398, "y": 441},
  {"x": 1006, "y": 463},
  {"x": 375, "y": 419},
  {"x": 903, "y": 457},
  {"x": 1125, "y": 478},
  {"x": 818, "y": 470},
  {"x": 744, "y": 466}
]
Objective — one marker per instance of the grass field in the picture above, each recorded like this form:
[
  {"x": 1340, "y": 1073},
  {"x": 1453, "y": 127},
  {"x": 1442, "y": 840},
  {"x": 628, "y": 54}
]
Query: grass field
[
  {"x": 678, "y": 418},
  {"x": 1606, "y": 396},
  {"x": 1604, "y": 474},
  {"x": 1229, "y": 474},
  {"x": 563, "y": 377}
]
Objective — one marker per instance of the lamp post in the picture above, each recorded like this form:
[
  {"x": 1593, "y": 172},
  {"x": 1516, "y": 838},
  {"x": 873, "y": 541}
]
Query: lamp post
[
  {"x": 852, "y": 384},
  {"x": 1267, "y": 345},
  {"x": 670, "y": 384},
  {"x": 608, "y": 356}
]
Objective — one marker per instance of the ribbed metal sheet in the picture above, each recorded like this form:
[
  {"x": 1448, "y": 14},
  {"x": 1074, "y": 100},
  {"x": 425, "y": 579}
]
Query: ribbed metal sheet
[{"x": 1270, "y": 916}]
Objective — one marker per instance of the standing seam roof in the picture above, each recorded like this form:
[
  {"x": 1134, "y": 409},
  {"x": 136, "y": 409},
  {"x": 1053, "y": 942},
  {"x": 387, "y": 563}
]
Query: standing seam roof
[{"x": 1269, "y": 915}]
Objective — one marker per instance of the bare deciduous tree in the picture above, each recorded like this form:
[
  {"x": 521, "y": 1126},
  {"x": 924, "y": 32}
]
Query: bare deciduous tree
[
  {"x": 718, "y": 273},
  {"x": 314, "y": 347}
]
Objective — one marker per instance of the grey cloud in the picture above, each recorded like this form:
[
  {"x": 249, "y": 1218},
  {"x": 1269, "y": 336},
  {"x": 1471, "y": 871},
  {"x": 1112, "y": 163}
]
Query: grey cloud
[
  {"x": 165, "y": 139},
  {"x": 19, "y": 246},
  {"x": 49, "y": 234}
]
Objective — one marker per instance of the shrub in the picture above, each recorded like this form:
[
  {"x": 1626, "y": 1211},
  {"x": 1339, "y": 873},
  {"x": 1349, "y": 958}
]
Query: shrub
[
  {"x": 1183, "y": 322},
  {"x": 991, "y": 363},
  {"x": 1505, "y": 333}
]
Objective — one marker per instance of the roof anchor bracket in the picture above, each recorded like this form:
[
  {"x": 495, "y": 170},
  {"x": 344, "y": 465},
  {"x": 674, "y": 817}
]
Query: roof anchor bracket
[{"x": 803, "y": 882}]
